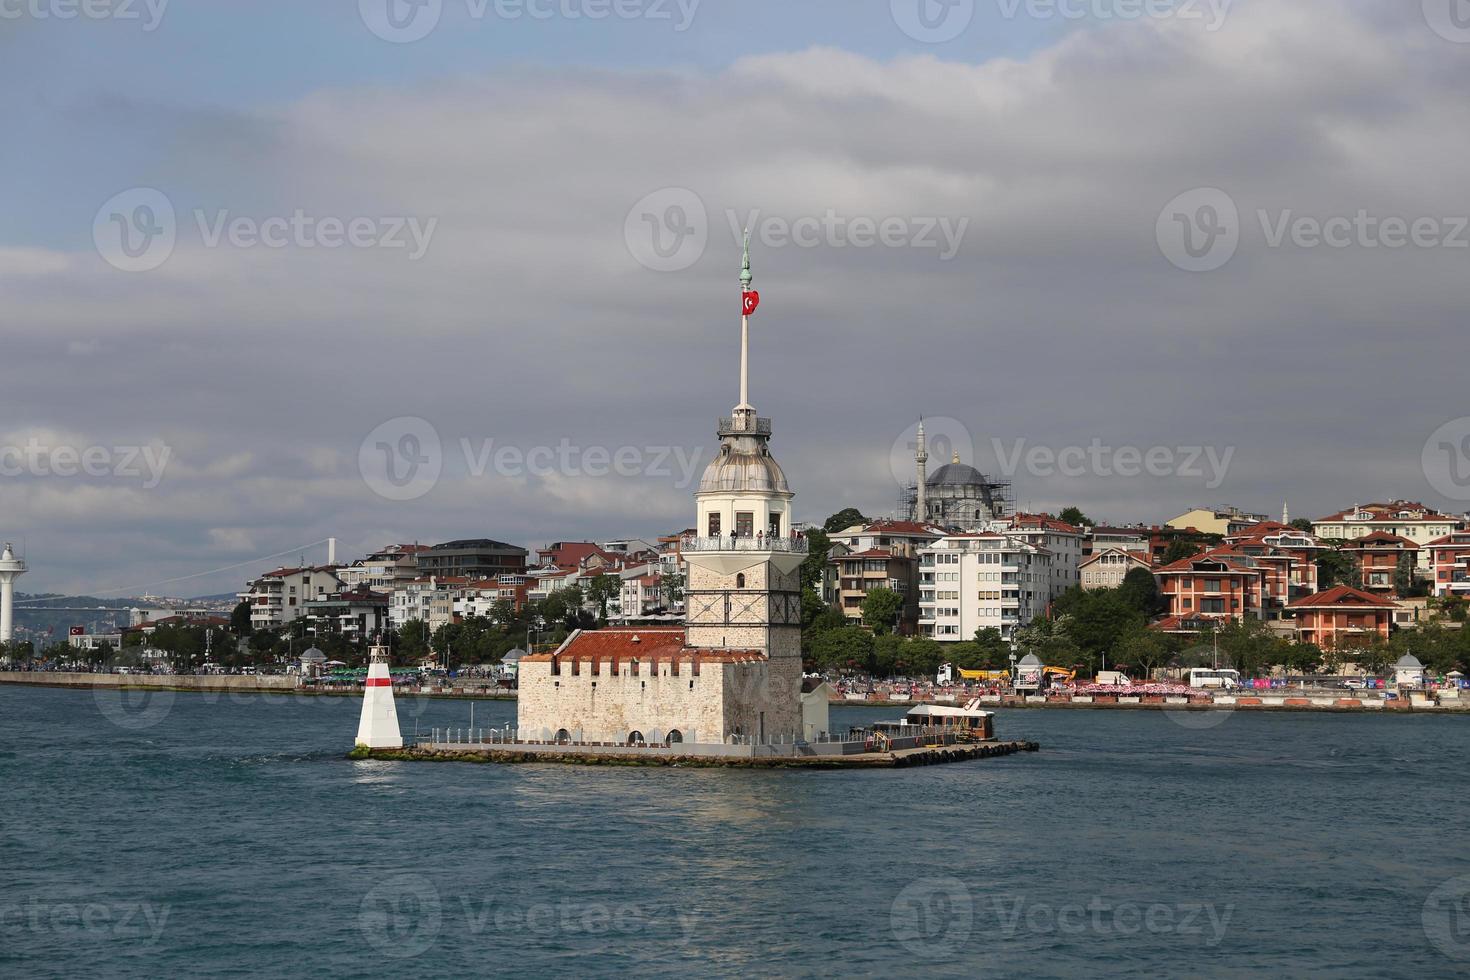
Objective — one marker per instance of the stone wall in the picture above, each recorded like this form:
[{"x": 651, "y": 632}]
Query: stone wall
[
  {"x": 191, "y": 682},
  {"x": 607, "y": 706}
]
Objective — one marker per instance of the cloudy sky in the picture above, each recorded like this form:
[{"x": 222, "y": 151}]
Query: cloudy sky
[{"x": 278, "y": 271}]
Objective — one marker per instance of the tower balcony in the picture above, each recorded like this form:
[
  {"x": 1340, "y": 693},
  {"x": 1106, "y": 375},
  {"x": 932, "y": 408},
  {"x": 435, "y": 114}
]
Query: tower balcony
[
  {"x": 789, "y": 545},
  {"x": 737, "y": 425}
]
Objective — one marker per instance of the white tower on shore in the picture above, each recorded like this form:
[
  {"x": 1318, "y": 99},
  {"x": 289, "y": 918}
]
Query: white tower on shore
[
  {"x": 378, "y": 726},
  {"x": 11, "y": 568}
]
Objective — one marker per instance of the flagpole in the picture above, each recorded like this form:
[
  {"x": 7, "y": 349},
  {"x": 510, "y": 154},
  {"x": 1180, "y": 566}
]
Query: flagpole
[{"x": 745, "y": 280}]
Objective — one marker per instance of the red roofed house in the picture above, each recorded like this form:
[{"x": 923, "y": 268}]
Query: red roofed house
[
  {"x": 1449, "y": 564},
  {"x": 883, "y": 555},
  {"x": 1337, "y": 618},
  {"x": 1061, "y": 540},
  {"x": 1283, "y": 539},
  {"x": 1217, "y": 585},
  {"x": 1378, "y": 556},
  {"x": 1405, "y": 518}
]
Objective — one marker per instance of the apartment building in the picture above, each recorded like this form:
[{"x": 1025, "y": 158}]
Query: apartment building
[
  {"x": 970, "y": 582},
  {"x": 279, "y": 597},
  {"x": 1378, "y": 556},
  {"x": 1342, "y": 618},
  {"x": 1059, "y": 539},
  {"x": 1217, "y": 585},
  {"x": 1106, "y": 569},
  {"x": 1404, "y": 518},
  {"x": 1449, "y": 564}
]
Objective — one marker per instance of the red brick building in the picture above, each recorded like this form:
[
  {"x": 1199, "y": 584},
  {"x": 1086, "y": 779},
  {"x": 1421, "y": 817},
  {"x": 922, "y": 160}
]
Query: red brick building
[
  {"x": 1449, "y": 564},
  {"x": 1378, "y": 556},
  {"x": 1342, "y": 617},
  {"x": 1219, "y": 584}
]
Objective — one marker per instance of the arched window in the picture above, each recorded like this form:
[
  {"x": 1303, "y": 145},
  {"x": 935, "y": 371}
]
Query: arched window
[
  {"x": 563, "y": 737},
  {"x": 740, "y": 581},
  {"x": 675, "y": 737},
  {"x": 636, "y": 738}
]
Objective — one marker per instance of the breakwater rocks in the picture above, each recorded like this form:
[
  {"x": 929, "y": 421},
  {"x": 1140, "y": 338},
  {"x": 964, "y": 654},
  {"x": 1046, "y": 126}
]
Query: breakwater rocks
[{"x": 642, "y": 756}]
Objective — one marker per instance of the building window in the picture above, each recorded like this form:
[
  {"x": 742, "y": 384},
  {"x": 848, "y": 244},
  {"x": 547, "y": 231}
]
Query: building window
[
  {"x": 714, "y": 525},
  {"x": 745, "y": 524},
  {"x": 774, "y": 529},
  {"x": 740, "y": 581}
]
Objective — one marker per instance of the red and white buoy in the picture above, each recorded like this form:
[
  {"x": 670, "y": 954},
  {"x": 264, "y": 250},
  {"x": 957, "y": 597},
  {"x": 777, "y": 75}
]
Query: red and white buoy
[{"x": 378, "y": 727}]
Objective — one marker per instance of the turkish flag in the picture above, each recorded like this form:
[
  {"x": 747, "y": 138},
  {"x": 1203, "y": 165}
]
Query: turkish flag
[
  {"x": 78, "y": 631},
  {"x": 749, "y": 301}
]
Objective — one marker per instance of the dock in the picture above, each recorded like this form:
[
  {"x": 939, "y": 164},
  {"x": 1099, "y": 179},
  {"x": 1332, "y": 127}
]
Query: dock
[{"x": 698, "y": 756}]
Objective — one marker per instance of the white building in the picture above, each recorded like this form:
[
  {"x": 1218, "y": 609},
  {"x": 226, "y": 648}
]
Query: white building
[
  {"x": 1106, "y": 569},
  {"x": 1407, "y": 519},
  {"x": 385, "y": 570},
  {"x": 1062, "y": 540},
  {"x": 279, "y": 597},
  {"x": 970, "y": 582}
]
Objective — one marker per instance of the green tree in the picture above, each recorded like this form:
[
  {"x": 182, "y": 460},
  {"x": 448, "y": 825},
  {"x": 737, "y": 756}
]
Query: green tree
[
  {"x": 1179, "y": 549},
  {"x": 1141, "y": 650},
  {"x": 846, "y": 648},
  {"x": 1336, "y": 568},
  {"x": 502, "y": 612},
  {"x": 671, "y": 587},
  {"x": 1074, "y": 516},
  {"x": 992, "y": 652},
  {"x": 1302, "y": 524},
  {"x": 413, "y": 642},
  {"x": 1302, "y": 658},
  {"x": 240, "y": 619},
  {"x": 843, "y": 519},
  {"x": 881, "y": 609},
  {"x": 814, "y": 565},
  {"x": 1140, "y": 592},
  {"x": 602, "y": 590}
]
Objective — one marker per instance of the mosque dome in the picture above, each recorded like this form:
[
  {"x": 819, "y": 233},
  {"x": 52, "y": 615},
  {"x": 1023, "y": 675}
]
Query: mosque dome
[{"x": 956, "y": 475}]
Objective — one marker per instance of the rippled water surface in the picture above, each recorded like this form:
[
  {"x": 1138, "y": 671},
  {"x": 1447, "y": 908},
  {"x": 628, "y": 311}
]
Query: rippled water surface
[{"x": 188, "y": 834}]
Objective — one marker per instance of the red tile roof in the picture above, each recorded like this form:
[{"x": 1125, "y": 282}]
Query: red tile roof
[
  {"x": 1380, "y": 538},
  {"x": 1043, "y": 522},
  {"x": 1342, "y": 595},
  {"x": 646, "y": 644},
  {"x": 1389, "y": 511}
]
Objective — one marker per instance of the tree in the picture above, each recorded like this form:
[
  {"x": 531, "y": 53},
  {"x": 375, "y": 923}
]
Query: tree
[
  {"x": 992, "y": 652},
  {"x": 240, "y": 619},
  {"x": 1074, "y": 516},
  {"x": 1142, "y": 650},
  {"x": 1302, "y": 658},
  {"x": 503, "y": 612},
  {"x": 1302, "y": 524},
  {"x": 881, "y": 609},
  {"x": 1140, "y": 592},
  {"x": 814, "y": 565},
  {"x": 413, "y": 642},
  {"x": 1179, "y": 549},
  {"x": 601, "y": 592},
  {"x": 1336, "y": 568},
  {"x": 671, "y": 587},
  {"x": 843, "y": 519},
  {"x": 846, "y": 648}
]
